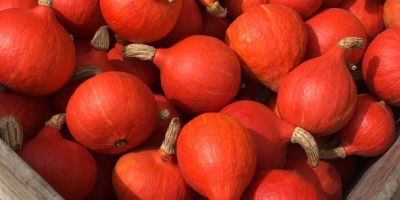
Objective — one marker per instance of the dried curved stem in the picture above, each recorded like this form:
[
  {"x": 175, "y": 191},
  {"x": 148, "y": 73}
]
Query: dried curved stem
[
  {"x": 57, "y": 121},
  {"x": 355, "y": 43},
  {"x": 11, "y": 131},
  {"x": 168, "y": 145},
  {"x": 307, "y": 142},
  {"x": 48, "y": 3},
  {"x": 338, "y": 152},
  {"x": 140, "y": 51},
  {"x": 217, "y": 10},
  {"x": 164, "y": 115},
  {"x": 84, "y": 73},
  {"x": 101, "y": 40}
]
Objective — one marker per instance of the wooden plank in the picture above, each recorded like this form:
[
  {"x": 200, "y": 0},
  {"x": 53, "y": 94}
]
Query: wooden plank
[{"x": 19, "y": 181}]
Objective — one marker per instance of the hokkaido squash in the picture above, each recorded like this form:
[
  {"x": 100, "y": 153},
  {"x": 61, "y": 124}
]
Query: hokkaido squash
[
  {"x": 304, "y": 7},
  {"x": 217, "y": 156},
  {"x": 391, "y": 13},
  {"x": 104, "y": 117},
  {"x": 237, "y": 7},
  {"x": 6, "y": 4},
  {"x": 36, "y": 51},
  {"x": 330, "y": 3},
  {"x": 213, "y": 26},
  {"x": 268, "y": 47}
]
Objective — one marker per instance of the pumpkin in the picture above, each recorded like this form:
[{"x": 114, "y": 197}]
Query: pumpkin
[
  {"x": 105, "y": 118},
  {"x": 391, "y": 14},
  {"x": 304, "y": 7},
  {"x": 330, "y": 3},
  {"x": 268, "y": 47},
  {"x": 36, "y": 51},
  {"x": 217, "y": 156},
  {"x": 271, "y": 135},
  {"x": 300, "y": 97},
  {"x": 67, "y": 166},
  {"x": 370, "y": 14},
  {"x": 141, "y": 21},
  {"x": 213, "y": 26},
  {"x": 214, "y": 8},
  {"x": 237, "y": 7},
  {"x": 370, "y": 132},
  {"x": 6, "y": 4},
  {"x": 381, "y": 64},
  {"x": 326, "y": 27},
  {"x": 281, "y": 184},
  {"x": 138, "y": 173},
  {"x": 80, "y": 17},
  {"x": 198, "y": 74}
]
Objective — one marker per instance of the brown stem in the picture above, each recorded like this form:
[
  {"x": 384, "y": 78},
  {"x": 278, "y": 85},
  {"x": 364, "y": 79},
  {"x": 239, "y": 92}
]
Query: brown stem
[
  {"x": 351, "y": 42},
  {"x": 47, "y": 3},
  {"x": 307, "y": 142},
  {"x": 121, "y": 142},
  {"x": 140, "y": 51},
  {"x": 352, "y": 66},
  {"x": 84, "y": 73},
  {"x": 57, "y": 121},
  {"x": 101, "y": 40},
  {"x": 11, "y": 131},
  {"x": 171, "y": 1},
  {"x": 217, "y": 10},
  {"x": 120, "y": 39},
  {"x": 3, "y": 88},
  {"x": 164, "y": 115},
  {"x": 168, "y": 145},
  {"x": 382, "y": 102},
  {"x": 338, "y": 152},
  {"x": 263, "y": 96}
]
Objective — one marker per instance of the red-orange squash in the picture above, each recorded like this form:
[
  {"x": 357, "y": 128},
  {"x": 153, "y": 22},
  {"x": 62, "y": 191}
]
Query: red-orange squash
[
  {"x": 214, "y": 8},
  {"x": 330, "y": 3},
  {"x": 270, "y": 41},
  {"x": 36, "y": 52},
  {"x": 104, "y": 117},
  {"x": 304, "y": 7},
  {"x": 6, "y": 4},
  {"x": 141, "y": 21},
  {"x": 237, "y": 7},
  {"x": 391, "y": 13},
  {"x": 217, "y": 156}
]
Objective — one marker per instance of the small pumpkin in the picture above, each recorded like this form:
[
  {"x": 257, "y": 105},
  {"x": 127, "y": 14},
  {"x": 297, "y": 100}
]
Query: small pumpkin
[
  {"x": 391, "y": 14},
  {"x": 304, "y": 7},
  {"x": 213, "y": 26},
  {"x": 237, "y": 7}
]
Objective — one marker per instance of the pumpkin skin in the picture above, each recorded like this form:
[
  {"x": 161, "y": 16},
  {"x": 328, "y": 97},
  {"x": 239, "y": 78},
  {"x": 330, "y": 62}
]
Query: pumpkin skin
[
  {"x": 281, "y": 184},
  {"x": 268, "y": 47},
  {"x": 6, "y": 4},
  {"x": 31, "y": 111},
  {"x": 230, "y": 152},
  {"x": 330, "y": 3},
  {"x": 326, "y": 27},
  {"x": 38, "y": 60},
  {"x": 98, "y": 112},
  {"x": 67, "y": 166},
  {"x": 381, "y": 64},
  {"x": 213, "y": 26},
  {"x": 370, "y": 14},
  {"x": 304, "y": 8},
  {"x": 82, "y": 17},
  {"x": 299, "y": 98},
  {"x": 391, "y": 14},
  {"x": 237, "y": 7},
  {"x": 141, "y": 21}
]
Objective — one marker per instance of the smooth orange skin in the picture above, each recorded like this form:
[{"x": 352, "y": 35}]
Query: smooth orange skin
[
  {"x": 141, "y": 21},
  {"x": 109, "y": 107},
  {"x": 281, "y": 184},
  {"x": 370, "y": 14},
  {"x": 150, "y": 174},
  {"x": 32, "y": 112},
  {"x": 391, "y": 13},
  {"x": 66, "y": 165},
  {"x": 217, "y": 156},
  {"x": 80, "y": 17},
  {"x": 301, "y": 97},
  {"x": 381, "y": 64},
  {"x": 325, "y": 177},
  {"x": 327, "y": 27},
  {"x": 144, "y": 70},
  {"x": 199, "y": 74},
  {"x": 270, "y": 41},
  {"x": 37, "y": 53},
  {"x": 237, "y": 7},
  {"x": 304, "y": 7},
  {"x": 6, "y": 4},
  {"x": 371, "y": 130}
]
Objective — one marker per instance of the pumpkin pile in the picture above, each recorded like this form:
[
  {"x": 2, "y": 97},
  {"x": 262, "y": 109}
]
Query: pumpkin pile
[{"x": 207, "y": 99}]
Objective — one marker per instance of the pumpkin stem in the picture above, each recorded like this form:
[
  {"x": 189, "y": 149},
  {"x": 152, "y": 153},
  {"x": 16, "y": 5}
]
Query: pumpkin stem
[
  {"x": 168, "y": 145},
  {"x": 338, "y": 152},
  {"x": 101, "y": 40},
  {"x": 263, "y": 96},
  {"x": 120, "y": 39},
  {"x": 164, "y": 115},
  {"x": 121, "y": 142},
  {"x": 382, "y": 102},
  {"x": 351, "y": 42},
  {"x": 84, "y": 73},
  {"x": 171, "y": 1},
  {"x": 140, "y": 51},
  {"x": 335, "y": 142},
  {"x": 47, "y": 3},
  {"x": 217, "y": 10},
  {"x": 11, "y": 131},
  {"x": 307, "y": 142},
  {"x": 57, "y": 121},
  {"x": 352, "y": 66},
  {"x": 3, "y": 88}
]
